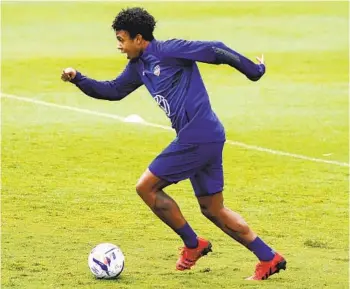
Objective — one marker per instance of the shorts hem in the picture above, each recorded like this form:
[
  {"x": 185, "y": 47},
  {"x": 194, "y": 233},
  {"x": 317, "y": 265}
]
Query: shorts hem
[
  {"x": 162, "y": 177},
  {"x": 209, "y": 194}
]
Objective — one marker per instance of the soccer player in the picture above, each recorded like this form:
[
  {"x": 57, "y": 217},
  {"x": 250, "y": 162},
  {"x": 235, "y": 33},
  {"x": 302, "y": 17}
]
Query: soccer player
[{"x": 169, "y": 71}]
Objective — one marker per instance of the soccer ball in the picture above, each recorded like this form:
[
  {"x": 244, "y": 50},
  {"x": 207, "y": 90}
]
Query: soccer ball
[{"x": 106, "y": 261}]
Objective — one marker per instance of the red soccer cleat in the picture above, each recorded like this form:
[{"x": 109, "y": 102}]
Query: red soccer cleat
[
  {"x": 264, "y": 270},
  {"x": 188, "y": 257}
]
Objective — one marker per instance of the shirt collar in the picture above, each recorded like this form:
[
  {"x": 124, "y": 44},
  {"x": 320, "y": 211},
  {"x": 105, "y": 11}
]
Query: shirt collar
[
  {"x": 149, "y": 46},
  {"x": 146, "y": 51}
]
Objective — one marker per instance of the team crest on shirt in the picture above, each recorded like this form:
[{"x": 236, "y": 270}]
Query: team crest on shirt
[{"x": 156, "y": 70}]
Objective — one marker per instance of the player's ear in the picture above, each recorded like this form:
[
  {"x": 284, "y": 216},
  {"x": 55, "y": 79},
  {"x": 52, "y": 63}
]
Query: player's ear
[{"x": 138, "y": 39}]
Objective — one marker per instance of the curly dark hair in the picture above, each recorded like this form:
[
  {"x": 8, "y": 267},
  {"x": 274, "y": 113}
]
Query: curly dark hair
[{"x": 135, "y": 21}]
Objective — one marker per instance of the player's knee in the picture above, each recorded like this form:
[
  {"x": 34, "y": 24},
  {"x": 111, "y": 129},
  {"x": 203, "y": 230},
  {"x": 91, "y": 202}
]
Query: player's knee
[
  {"x": 213, "y": 207},
  {"x": 145, "y": 193},
  {"x": 141, "y": 188},
  {"x": 209, "y": 212},
  {"x": 205, "y": 211}
]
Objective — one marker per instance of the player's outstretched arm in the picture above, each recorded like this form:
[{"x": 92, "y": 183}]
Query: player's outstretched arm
[
  {"x": 115, "y": 89},
  {"x": 213, "y": 52},
  {"x": 225, "y": 55}
]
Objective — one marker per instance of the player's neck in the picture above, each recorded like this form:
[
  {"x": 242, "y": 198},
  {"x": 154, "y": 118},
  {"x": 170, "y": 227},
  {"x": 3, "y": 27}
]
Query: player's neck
[{"x": 144, "y": 44}]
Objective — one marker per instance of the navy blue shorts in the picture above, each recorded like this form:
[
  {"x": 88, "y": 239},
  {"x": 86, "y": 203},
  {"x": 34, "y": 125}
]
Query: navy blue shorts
[{"x": 201, "y": 163}]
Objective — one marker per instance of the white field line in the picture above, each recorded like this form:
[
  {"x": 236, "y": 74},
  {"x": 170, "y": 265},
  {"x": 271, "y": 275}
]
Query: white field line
[{"x": 113, "y": 116}]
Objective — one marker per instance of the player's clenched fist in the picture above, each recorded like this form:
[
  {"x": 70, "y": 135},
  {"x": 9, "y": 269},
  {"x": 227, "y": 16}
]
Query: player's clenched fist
[{"x": 68, "y": 74}]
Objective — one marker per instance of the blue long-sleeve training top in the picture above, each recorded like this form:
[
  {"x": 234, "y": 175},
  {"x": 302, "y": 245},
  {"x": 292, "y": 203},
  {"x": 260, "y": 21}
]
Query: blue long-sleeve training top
[{"x": 169, "y": 71}]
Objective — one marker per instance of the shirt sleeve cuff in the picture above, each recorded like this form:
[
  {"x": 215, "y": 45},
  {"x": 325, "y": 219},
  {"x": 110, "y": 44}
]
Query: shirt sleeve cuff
[
  {"x": 77, "y": 78},
  {"x": 261, "y": 68}
]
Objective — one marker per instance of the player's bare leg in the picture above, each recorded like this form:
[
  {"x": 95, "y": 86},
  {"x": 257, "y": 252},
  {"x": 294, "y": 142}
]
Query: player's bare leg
[
  {"x": 150, "y": 189},
  {"x": 228, "y": 221},
  {"x": 234, "y": 225}
]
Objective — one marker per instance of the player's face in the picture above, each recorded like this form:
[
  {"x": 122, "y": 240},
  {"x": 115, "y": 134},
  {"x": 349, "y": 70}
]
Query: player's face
[{"x": 132, "y": 47}]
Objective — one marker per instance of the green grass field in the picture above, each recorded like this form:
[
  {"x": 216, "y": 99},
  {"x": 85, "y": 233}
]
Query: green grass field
[{"x": 68, "y": 177}]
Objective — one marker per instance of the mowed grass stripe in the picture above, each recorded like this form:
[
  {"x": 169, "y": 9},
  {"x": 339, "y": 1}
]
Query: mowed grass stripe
[{"x": 120, "y": 118}]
